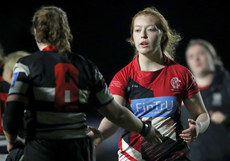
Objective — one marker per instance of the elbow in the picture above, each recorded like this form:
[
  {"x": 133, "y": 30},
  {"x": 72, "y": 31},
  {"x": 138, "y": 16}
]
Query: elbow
[{"x": 206, "y": 118}]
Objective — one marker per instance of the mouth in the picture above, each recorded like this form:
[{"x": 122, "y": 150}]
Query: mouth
[{"x": 144, "y": 43}]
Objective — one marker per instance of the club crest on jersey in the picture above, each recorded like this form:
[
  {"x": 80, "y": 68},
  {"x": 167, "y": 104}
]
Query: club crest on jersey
[{"x": 175, "y": 83}]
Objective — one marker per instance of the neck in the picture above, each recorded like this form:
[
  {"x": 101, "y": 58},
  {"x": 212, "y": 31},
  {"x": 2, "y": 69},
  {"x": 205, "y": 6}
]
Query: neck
[
  {"x": 204, "y": 79},
  {"x": 151, "y": 61},
  {"x": 41, "y": 46}
]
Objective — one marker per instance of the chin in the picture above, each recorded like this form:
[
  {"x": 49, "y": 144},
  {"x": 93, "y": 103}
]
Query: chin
[{"x": 144, "y": 52}]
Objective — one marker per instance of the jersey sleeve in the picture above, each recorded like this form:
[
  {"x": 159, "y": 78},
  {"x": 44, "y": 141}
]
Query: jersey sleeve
[
  {"x": 119, "y": 83},
  {"x": 191, "y": 87},
  {"x": 100, "y": 94},
  {"x": 20, "y": 80}
]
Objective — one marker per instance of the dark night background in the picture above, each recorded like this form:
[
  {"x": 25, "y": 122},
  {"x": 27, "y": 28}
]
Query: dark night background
[{"x": 100, "y": 28}]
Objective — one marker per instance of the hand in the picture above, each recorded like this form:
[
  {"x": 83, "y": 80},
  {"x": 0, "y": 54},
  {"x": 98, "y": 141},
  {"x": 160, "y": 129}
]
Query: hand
[
  {"x": 19, "y": 143},
  {"x": 189, "y": 135},
  {"x": 9, "y": 146},
  {"x": 95, "y": 135},
  {"x": 217, "y": 117},
  {"x": 154, "y": 136}
]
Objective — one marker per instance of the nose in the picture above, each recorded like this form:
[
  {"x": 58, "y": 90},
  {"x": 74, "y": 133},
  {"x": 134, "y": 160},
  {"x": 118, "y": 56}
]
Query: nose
[{"x": 144, "y": 34}]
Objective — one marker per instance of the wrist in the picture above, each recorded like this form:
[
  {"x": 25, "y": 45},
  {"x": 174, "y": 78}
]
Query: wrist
[{"x": 145, "y": 129}]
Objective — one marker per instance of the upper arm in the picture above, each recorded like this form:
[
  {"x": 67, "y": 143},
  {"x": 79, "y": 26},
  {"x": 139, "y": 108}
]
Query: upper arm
[
  {"x": 20, "y": 82},
  {"x": 195, "y": 105}
]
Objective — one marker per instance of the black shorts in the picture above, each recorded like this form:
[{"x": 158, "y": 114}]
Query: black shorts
[{"x": 59, "y": 150}]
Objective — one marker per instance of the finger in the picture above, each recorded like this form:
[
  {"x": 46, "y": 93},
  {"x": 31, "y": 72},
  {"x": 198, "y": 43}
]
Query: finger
[
  {"x": 188, "y": 140},
  {"x": 158, "y": 134},
  {"x": 185, "y": 138},
  {"x": 210, "y": 112},
  {"x": 186, "y": 135},
  {"x": 90, "y": 128},
  {"x": 149, "y": 119},
  {"x": 93, "y": 129},
  {"x": 158, "y": 139},
  {"x": 186, "y": 131}
]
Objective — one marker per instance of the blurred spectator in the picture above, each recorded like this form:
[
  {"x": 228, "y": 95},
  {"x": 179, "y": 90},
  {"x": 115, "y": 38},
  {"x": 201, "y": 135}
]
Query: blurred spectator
[{"x": 213, "y": 81}]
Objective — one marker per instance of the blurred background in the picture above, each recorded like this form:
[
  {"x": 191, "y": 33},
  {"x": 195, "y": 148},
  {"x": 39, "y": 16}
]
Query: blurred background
[{"x": 100, "y": 29}]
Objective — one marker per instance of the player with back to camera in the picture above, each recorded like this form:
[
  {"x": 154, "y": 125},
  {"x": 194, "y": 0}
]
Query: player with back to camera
[{"x": 57, "y": 87}]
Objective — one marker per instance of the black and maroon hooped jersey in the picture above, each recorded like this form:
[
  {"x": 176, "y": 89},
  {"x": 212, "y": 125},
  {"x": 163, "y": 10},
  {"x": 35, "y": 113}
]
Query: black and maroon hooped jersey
[
  {"x": 60, "y": 88},
  {"x": 156, "y": 94}
]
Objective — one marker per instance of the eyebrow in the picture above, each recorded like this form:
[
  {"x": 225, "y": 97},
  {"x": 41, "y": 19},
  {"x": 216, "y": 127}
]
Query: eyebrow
[{"x": 145, "y": 26}]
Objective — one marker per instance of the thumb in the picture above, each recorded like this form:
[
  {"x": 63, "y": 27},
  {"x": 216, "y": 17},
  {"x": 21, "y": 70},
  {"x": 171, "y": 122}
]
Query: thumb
[
  {"x": 93, "y": 129},
  {"x": 191, "y": 122},
  {"x": 210, "y": 112},
  {"x": 149, "y": 119}
]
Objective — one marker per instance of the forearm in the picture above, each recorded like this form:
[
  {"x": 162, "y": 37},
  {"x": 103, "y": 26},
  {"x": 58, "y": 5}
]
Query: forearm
[
  {"x": 107, "y": 128},
  {"x": 202, "y": 122},
  {"x": 11, "y": 138},
  {"x": 126, "y": 119},
  {"x": 129, "y": 121},
  {"x": 122, "y": 117}
]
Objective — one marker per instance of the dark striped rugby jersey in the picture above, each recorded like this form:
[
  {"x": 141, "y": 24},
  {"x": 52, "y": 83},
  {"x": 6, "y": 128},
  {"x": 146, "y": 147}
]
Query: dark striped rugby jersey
[
  {"x": 157, "y": 94},
  {"x": 60, "y": 88}
]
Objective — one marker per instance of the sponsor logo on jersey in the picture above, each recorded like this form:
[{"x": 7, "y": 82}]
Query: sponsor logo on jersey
[{"x": 154, "y": 107}]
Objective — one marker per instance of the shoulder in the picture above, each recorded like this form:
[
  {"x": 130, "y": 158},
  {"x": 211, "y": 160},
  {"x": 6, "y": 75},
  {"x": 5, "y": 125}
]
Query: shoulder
[
  {"x": 128, "y": 69},
  {"x": 79, "y": 59},
  {"x": 175, "y": 67},
  {"x": 30, "y": 58},
  {"x": 179, "y": 69}
]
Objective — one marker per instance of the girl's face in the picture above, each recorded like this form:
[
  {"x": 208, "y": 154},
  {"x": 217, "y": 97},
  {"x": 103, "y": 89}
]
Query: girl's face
[
  {"x": 146, "y": 35},
  {"x": 199, "y": 59}
]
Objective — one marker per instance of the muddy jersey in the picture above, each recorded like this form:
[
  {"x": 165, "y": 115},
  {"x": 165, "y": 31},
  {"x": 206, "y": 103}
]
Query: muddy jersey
[{"x": 157, "y": 94}]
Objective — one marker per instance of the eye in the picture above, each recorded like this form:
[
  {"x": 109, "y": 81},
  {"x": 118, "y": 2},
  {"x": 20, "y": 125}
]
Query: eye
[
  {"x": 137, "y": 30},
  {"x": 190, "y": 56},
  {"x": 152, "y": 29}
]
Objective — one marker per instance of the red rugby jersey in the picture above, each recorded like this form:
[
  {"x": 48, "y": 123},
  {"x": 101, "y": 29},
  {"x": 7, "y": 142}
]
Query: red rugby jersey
[{"x": 156, "y": 94}]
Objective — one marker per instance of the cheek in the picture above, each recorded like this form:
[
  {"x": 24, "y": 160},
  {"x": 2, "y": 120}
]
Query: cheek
[
  {"x": 190, "y": 63},
  {"x": 6, "y": 73},
  {"x": 135, "y": 37},
  {"x": 155, "y": 38}
]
